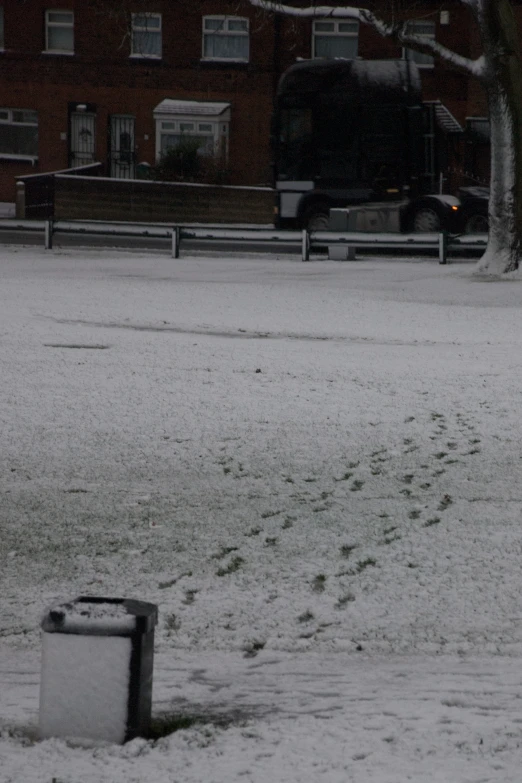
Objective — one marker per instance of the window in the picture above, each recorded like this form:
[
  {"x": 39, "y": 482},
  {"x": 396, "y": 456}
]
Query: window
[
  {"x": 335, "y": 38},
  {"x": 192, "y": 121},
  {"x": 59, "y": 31},
  {"x": 146, "y": 35},
  {"x": 172, "y": 134},
  {"x": 1, "y": 27},
  {"x": 19, "y": 134},
  {"x": 426, "y": 30},
  {"x": 226, "y": 38}
]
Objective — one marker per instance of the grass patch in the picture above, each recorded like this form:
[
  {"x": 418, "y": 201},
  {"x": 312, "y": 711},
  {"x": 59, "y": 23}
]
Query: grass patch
[
  {"x": 408, "y": 478},
  {"x": 268, "y": 514},
  {"x": 190, "y": 596},
  {"x": 305, "y": 617},
  {"x": 254, "y": 532},
  {"x": 164, "y": 725},
  {"x": 446, "y": 501},
  {"x": 234, "y": 565},
  {"x": 415, "y": 514},
  {"x": 223, "y": 552},
  {"x": 347, "y": 549},
  {"x": 319, "y": 583},
  {"x": 345, "y": 476},
  {"x": 271, "y": 541},
  {"x": 362, "y": 564},
  {"x": 357, "y": 485},
  {"x": 432, "y": 521},
  {"x": 391, "y": 539},
  {"x": 344, "y": 600},
  {"x": 172, "y": 623},
  {"x": 441, "y": 454}
]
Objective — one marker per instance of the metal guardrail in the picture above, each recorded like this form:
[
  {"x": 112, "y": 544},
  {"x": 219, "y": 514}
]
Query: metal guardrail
[{"x": 440, "y": 243}]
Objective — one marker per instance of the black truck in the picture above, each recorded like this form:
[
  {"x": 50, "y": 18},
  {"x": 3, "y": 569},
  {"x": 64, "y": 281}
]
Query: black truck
[{"x": 353, "y": 132}]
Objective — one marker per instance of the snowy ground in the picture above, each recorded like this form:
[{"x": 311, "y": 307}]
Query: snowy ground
[{"x": 313, "y": 469}]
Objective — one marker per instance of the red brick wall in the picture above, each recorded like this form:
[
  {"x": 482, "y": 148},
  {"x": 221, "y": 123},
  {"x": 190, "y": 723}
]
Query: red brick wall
[{"x": 101, "y": 72}]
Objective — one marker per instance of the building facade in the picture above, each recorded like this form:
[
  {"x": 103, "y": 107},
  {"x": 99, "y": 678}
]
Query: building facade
[{"x": 122, "y": 82}]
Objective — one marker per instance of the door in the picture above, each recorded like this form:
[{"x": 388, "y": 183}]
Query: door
[
  {"x": 122, "y": 153},
  {"x": 82, "y": 139}
]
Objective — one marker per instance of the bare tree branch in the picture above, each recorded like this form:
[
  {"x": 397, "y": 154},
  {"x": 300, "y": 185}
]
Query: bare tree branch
[{"x": 396, "y": 28}]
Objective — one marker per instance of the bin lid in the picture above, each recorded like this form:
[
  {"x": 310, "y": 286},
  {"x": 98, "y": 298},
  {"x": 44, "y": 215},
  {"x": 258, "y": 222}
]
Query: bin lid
[{"x": 100, "y": 616}]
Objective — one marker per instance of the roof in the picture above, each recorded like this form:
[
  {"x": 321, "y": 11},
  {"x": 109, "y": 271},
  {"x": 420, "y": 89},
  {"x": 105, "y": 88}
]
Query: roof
[
  {"x": 171, "y": 107},
  {"x": 445, "y": 119}
]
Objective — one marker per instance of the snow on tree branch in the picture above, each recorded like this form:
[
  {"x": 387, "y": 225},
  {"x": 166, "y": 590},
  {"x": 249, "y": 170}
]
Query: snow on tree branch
[{"x": 312, "y": 11}]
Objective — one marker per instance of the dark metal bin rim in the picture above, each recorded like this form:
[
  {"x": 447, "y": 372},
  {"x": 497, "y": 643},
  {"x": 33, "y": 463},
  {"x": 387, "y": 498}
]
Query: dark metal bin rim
[{"x": 84, "y": 615}]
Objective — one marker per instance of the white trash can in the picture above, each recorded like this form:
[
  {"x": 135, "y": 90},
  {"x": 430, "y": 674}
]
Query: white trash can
[{"x": 97, "y": 661}]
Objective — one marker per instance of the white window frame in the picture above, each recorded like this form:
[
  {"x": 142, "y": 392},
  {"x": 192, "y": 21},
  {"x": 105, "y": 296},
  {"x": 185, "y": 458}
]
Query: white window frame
[
  {"x": 422, "y": 60},
  {"x": 63, "y": 25},
  {"x": 335, "y": 31},
  {"x": 190, "y": 126},
  {"x": 222, "y": 31},
  {"x": 137, "y": 28},
  {"x": 2, "y": 29},
  {"x": 7, "y": 117}
]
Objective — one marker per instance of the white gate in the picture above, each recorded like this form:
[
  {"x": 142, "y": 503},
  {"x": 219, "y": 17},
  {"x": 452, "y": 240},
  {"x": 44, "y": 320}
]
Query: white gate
[
  {"x": 82, "y": 139},
  {"x": 122, "y": 152}
]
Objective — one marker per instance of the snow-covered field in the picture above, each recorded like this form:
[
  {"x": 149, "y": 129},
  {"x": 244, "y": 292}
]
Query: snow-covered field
[{"x": 314, "y": 471}]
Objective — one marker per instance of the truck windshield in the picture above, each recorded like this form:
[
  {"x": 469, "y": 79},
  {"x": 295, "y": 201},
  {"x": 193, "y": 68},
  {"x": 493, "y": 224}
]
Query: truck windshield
[
  {"x": 328, "y": 138},
  {"x": 294, "y": 158}
]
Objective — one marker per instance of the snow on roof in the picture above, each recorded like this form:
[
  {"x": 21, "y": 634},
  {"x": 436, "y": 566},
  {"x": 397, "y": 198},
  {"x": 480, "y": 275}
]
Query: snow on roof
[
  {"x": 204, "y": 108},
  {"x": 372, "y": 80}
]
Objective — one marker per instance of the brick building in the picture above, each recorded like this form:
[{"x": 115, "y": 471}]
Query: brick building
[{"x": 96, "y": 80}]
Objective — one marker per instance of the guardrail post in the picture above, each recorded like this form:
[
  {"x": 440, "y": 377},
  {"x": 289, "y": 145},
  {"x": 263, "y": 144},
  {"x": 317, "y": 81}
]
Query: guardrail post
[
  {"x": 48, "y": 234},
  {"x": 20, "y": 200},
  {"x": 305, "y": 245},
  {"x": 443, "y": 247},
  {"x": 176, "y": 238}
]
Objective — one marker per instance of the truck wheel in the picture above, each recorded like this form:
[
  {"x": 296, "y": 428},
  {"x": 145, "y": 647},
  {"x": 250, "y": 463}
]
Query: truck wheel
[
  {"x": 476, "y": 224},
  {"x": 316, "y": 217},
  {"x": 425, "y": 220}
]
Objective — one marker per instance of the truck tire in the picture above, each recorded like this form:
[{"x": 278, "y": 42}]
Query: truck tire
[
  {"x": 316, "y": 217},
  {"x": 477, "y": 223},
  {"x": 426, "y": 220}
]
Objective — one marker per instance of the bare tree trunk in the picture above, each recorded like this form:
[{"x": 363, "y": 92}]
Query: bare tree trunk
[{"x": 502, "y": 79}]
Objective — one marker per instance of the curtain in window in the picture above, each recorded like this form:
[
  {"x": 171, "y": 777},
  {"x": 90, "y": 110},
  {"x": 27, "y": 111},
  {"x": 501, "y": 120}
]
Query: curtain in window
[
  {"x": 146, "y": 42},
  {"x": 336, "y": 46},
  {"x": 60, "y": 39},
  {"x": 18, "y": 140},
  {"x": 168, "y": 140},
  {"x": 226, "y": 47}
]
